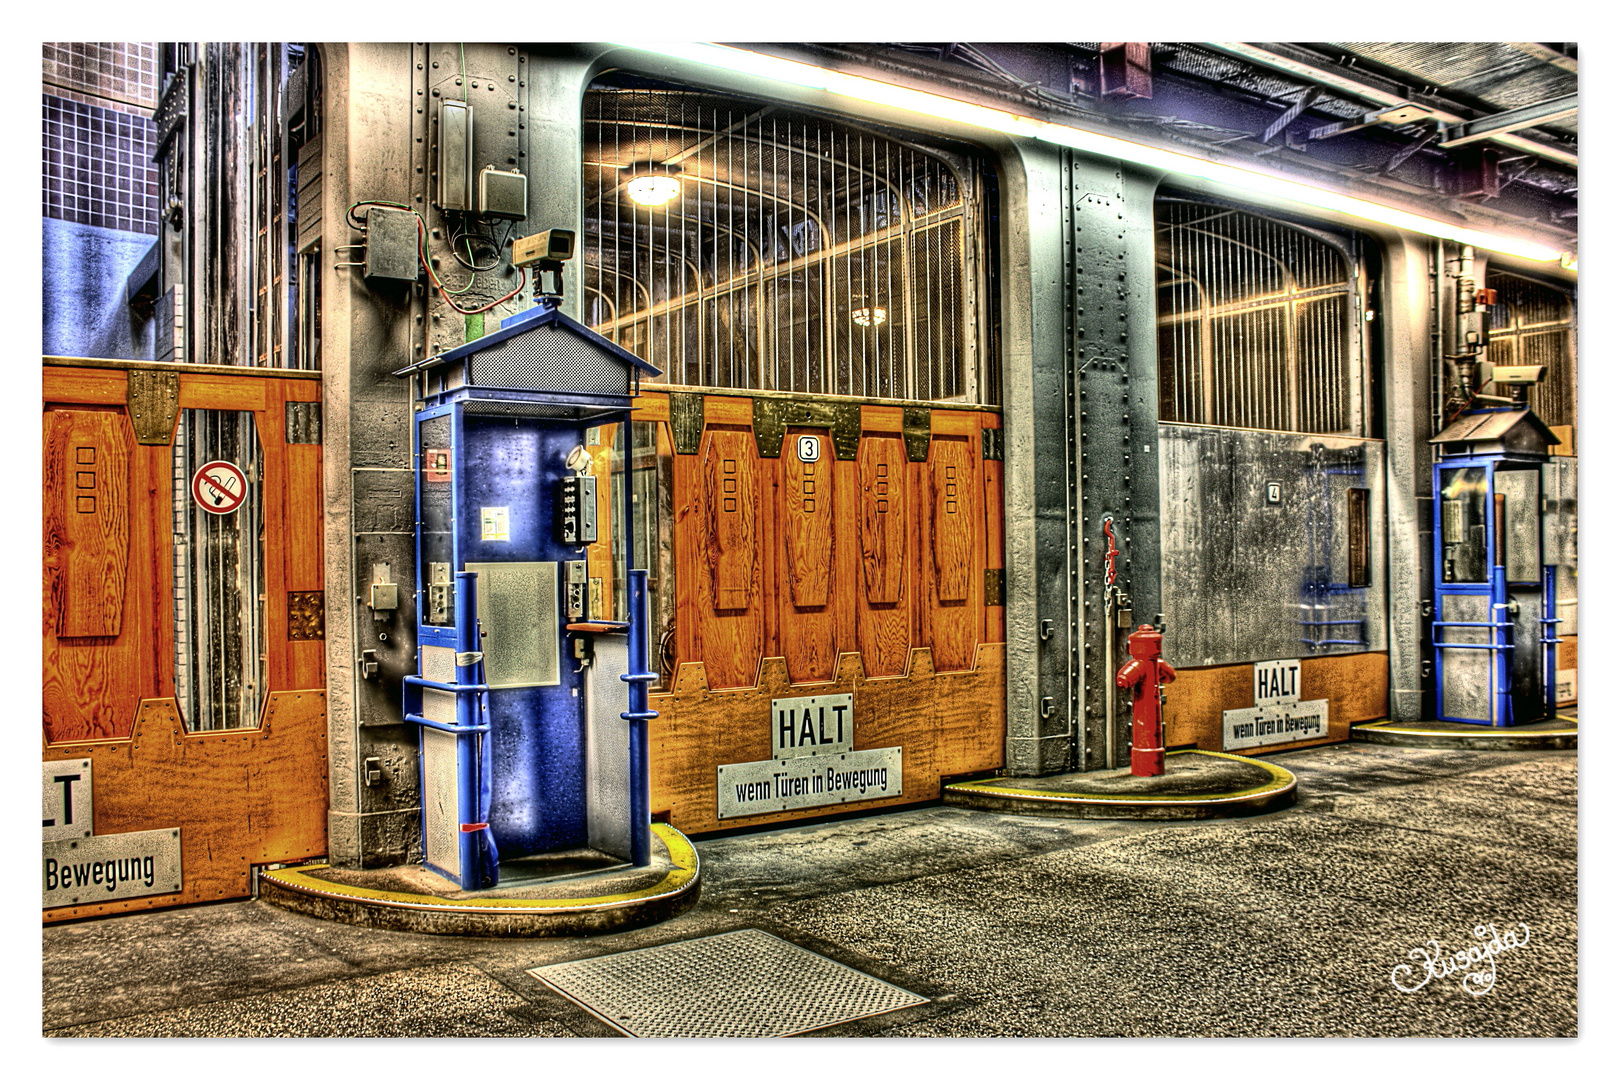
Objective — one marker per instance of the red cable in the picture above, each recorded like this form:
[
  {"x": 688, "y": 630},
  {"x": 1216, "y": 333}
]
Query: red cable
[{"x": 421, "y": 253}]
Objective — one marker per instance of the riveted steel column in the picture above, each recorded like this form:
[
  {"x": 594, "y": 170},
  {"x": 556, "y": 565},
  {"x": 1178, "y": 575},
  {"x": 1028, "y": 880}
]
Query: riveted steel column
[
  {"x": 1115, "y": 365},
  {"x": 554, "y": 79},
  {"x": 1406, "y": 315},
  {"x": 1043, "y": 645},
  {"x": 371, "y": 128}
]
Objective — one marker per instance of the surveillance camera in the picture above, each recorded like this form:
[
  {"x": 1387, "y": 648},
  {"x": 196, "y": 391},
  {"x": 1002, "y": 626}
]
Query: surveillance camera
[
  {"x": 1523, "y": 375},
  {"x": 553, "y": 246}
]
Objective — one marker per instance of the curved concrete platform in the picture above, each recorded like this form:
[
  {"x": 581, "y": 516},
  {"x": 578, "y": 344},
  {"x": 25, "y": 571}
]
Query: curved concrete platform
[
  {"x": 416, "y": 899},
  {"x": 1196, "y": 784},
  {"x": 1558, "y": 734}
]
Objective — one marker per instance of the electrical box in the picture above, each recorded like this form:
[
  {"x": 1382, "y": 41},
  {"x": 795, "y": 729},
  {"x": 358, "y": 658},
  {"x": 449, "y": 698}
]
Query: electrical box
[
  {"x": 455, "y": 156},
  {"x": 441, "y": 594},
  {"x": 579, "y": 510},
  {"x": 503, "y": 194},
  {"x": 575, "y": 599},
  {"x": 391, "y": 244}
]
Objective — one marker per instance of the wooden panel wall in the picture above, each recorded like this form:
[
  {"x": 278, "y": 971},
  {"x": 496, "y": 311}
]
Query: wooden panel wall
[
  {"x": 86, "y": 521},
  {"x": 814, "y": 608},
  {"x": 946, "y": 725},
  {"x": 240, "y": 798},
  {"x": 863, "y": 575},
  {"x": 243, "y": 797},
  {"x": 93, "y": 681},
  {"x": 884, "y": 634},
  {"x": 954, "y": 511},
  {"x": 878, "y": 555},
  {"x": 1355, "y": 686},
  {"x": 719, "y": 565}
]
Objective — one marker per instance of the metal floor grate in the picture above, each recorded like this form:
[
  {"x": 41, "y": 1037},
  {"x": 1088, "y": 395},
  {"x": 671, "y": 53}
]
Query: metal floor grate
[{"x": 740, "y": 985}]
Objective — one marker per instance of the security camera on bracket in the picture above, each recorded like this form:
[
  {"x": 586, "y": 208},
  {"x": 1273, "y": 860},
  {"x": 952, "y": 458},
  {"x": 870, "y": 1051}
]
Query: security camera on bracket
[{"x": 546, "y": 252}]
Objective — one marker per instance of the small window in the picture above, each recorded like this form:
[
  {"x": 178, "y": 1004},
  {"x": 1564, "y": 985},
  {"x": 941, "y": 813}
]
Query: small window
[
  {"x": 1359, "y": 537},
  {"x": 1462, "y": 525},
  {"x": 1256, "y": 323}
]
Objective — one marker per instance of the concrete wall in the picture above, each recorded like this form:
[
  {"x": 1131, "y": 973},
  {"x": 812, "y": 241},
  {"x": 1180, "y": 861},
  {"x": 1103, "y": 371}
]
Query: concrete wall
[{"x": 83, "y": 268}]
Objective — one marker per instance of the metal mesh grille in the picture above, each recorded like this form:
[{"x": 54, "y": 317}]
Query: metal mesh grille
[
  {"x": 441, "y": 823},
  {"x": 1468, "y": 675},
  {"x": 547, "y": 358},
  {"x": 801, "y": 253},
  {"x": 607, "y": 761},
  {"x": 745, "y": 984},
  {"x": 1256, "y": 324},
  {"x": 1532, "y": 323},
  {"x": 438, "y": 663}
]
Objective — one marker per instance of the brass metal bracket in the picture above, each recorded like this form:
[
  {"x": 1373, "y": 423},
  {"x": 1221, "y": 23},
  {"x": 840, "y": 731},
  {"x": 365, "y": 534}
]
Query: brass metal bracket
[
  {"x": 995, "y": 587},
  {"x": 153, "y": 398},
  {"x": 306, "y": 616},
  {"x": 773, "y": 416},
  {"x": 916, "y": 425},
  {"x": 686, "y": 422}
]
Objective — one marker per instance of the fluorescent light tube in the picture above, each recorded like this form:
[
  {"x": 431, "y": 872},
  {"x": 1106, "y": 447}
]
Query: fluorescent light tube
[{"x": 927, "y": 104}]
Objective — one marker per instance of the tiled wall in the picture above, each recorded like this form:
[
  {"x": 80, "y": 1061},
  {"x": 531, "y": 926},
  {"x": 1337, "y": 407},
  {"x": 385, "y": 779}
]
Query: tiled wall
[
  {"x": 121, "y": 73},
  {"x": 98, "y": 167},
  {"x": 98, "y": 134}
]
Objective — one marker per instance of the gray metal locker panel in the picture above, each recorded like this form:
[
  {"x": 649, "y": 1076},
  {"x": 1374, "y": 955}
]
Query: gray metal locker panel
[{"x": 607, "y": 751}]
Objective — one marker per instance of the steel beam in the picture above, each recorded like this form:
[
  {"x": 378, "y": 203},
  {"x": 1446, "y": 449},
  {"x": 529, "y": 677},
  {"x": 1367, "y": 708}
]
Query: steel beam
[
  {"x": 1277, "y": 61},
  {"x": 1489, "y": 127}
]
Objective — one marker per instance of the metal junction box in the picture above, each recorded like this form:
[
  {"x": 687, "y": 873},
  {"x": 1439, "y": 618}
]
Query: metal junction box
[
  {"x": 455, "y": 156},
  {"x": 503, "y": 194},
  {"x": 391, "y": 244}
]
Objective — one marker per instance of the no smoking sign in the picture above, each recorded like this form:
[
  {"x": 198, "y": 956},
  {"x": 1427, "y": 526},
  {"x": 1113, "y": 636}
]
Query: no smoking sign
[{"x": 219, "y": 487}]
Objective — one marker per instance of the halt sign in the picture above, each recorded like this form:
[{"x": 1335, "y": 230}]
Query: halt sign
[
  {"x": 219, "y": 487},
  {"x": 813, "y": 762},
  {"x": 1278, "y": 715}
]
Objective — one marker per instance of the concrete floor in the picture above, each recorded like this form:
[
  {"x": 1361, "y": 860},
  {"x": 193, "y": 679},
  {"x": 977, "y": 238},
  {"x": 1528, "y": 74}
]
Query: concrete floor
[{"x": 1284, "y": 924}]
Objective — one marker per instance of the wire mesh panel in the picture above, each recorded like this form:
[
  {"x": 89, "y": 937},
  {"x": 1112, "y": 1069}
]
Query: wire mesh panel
[
  {"x": 1257, "y": 323},
  {"x": 1532, "y": 323},
  {"x": 740, "y": 245}
]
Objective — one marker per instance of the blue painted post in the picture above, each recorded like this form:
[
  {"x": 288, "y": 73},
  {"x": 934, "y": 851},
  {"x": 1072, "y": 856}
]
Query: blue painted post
[
  {"x": 1550, "y": 638},
  {"x": 1502, "y": 655},
  {"x": 479, "y": 867},
  {"x": 637, "y": 716}
]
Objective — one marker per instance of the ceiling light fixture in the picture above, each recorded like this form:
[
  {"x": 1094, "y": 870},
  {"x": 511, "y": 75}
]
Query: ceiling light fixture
[
  {"x": 656, "y": 190},
  {"x": 870, "y": 316},
  {"x": 917, "y": 101}
]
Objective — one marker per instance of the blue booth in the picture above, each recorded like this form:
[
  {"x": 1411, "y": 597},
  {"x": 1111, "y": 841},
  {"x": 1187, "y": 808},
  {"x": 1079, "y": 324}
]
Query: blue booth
[
  {"x": 531, "y": 691},
  {"x": 1494, "y": 624}
]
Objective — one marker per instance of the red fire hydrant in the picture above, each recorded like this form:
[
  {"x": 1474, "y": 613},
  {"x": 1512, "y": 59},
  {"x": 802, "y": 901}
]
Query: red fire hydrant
[{"x": 1146, "y": 673}]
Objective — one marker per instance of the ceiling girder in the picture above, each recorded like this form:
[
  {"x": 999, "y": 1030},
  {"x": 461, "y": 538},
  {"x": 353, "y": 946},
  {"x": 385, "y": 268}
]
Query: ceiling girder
[
  {"x": 1487, "y": 127},
  {"x": 1310, "y": 72}
]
